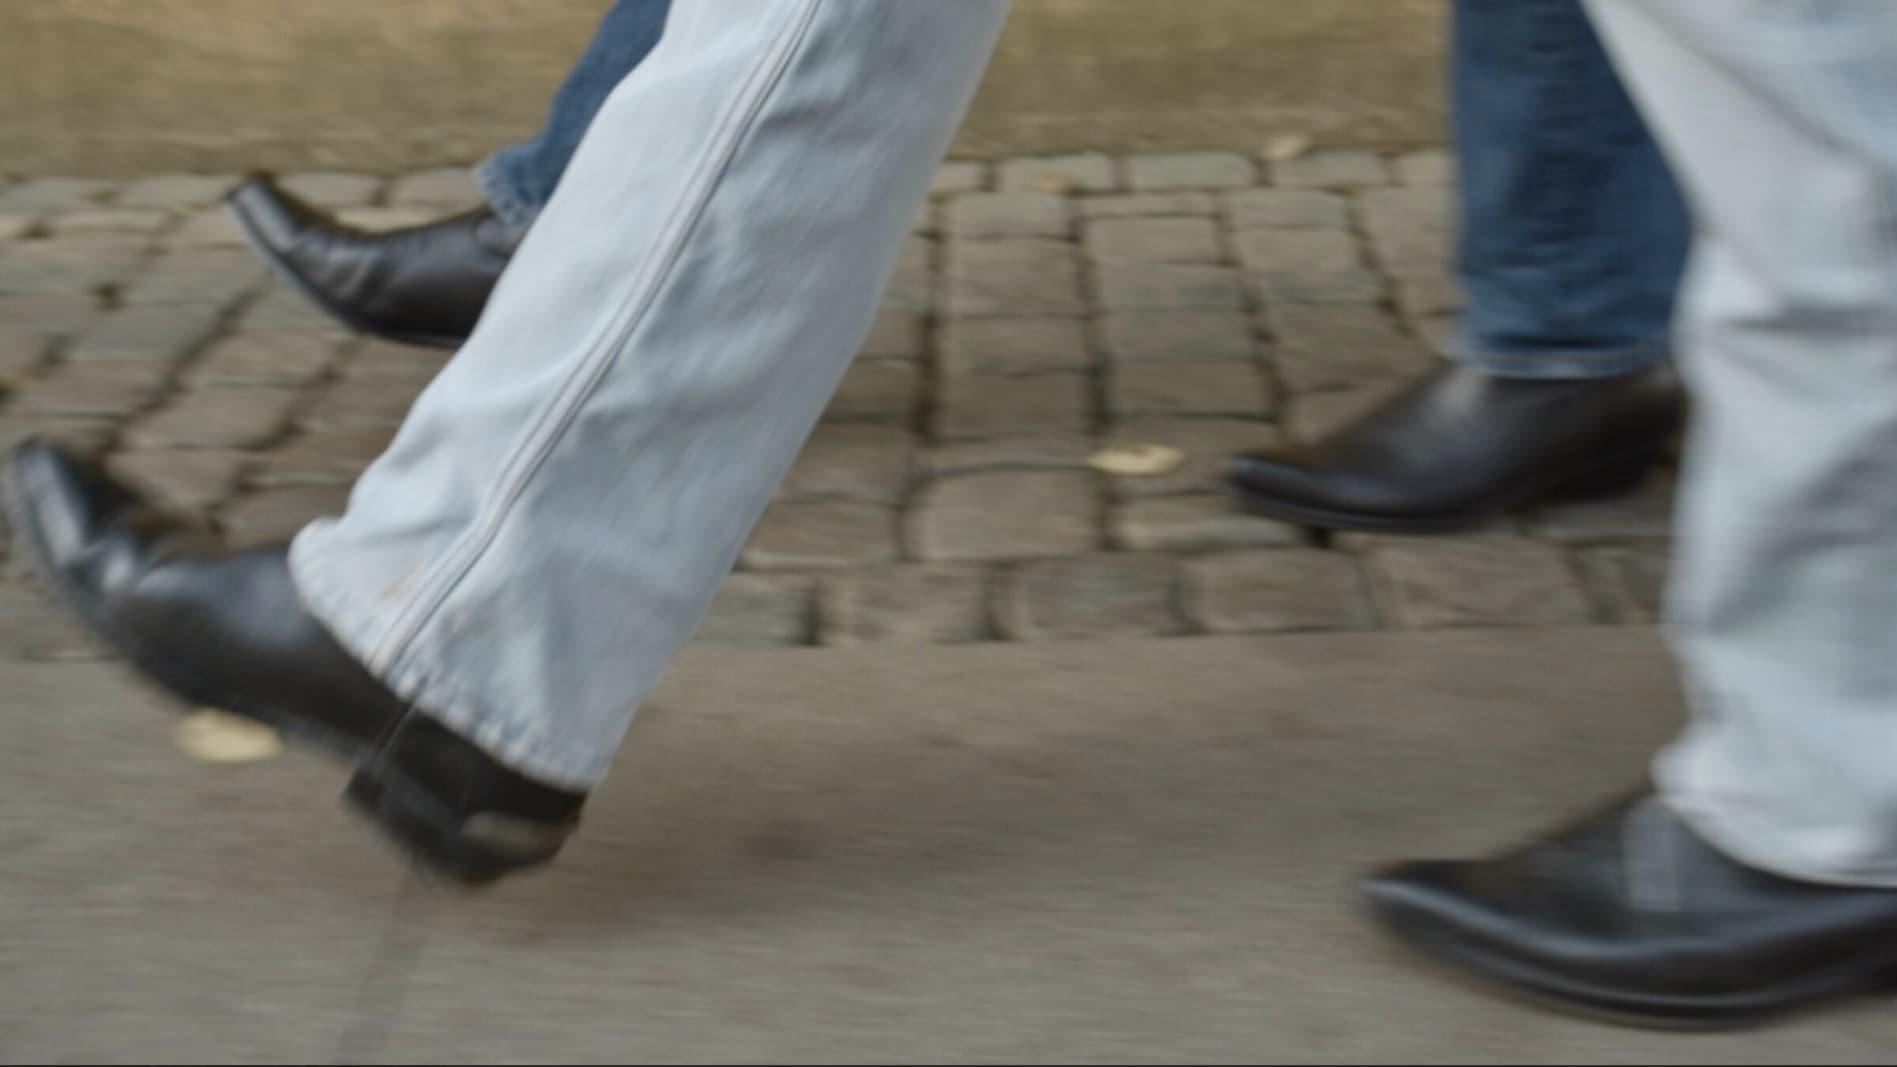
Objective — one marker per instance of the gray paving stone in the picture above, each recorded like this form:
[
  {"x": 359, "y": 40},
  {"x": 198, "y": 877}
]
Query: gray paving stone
[
  {"x": 209, "y": 227},
  {"x": 1016, "y": 277},
  {"x": 1328, "y": 346},
  {"x": 959, "y": 176},
  {"x": 1627, "y": 582},
  {"x": 1406, "y": 208},
  {"x": 1433, "y": 166},
  {"x": 1049, "y": 451},
  {"x": 924, "y": 604},
  {"x": 989, "y": 215},
  {"x": 274, "y": 516},
  {"x": 1424, "y": 296},
  {"x": 376, "y": 360},
  {"x": 1154, "y": 240},
  {"x": 176, "y": 192},
  {"x": 289, "y": 359},
  {"x": 1195, "y": 521},
  {"x": 93, "y": 222},
  {"x": 85, "y": 435},
  {"x": 450, "y": 189},
  {"x": 193, "y": 479},
  {"x": 1020, "y": 345},
  {"x": 1286, "y": 209},
  {"x": 896, "y": 334},
  {"x": 196, "y": 276},
  {"x": 912, "y": 286},
  {"x": 161, "y": 333},
  {"x": 1485, "y": 581},
  {"x": 1006, "y": 515},
  {"x": 385, "y": 219},
  {"x": 1145, "y": 205},
  {"x": 1644, "y": 511},
  {"x": 1277, "y": 590},
  {"x": 1207, "y": 444},
  {"x": 1195, "y": 387},
  {"x": 1438, "y": 332},
  {"x": 14, "y": 227},
  {"x": 363, "y": 402},
  {"x": 1177, "y": 335},
  {"x": 215, "y": 418},
  {"x": 811, "y": 534},
  {"x": 1168, "y": 286},
  {"x": 33, "y": 629},
  {"x": 47, "y": 313},
  {"x": 1336, "y": 169},
  {"x": 1314, "y": 416},
  {"x": 21, "y": 356},
  {"x": 336, "y": 455},
  {"x": 1296, "y": 251},
  {"x": 332, "y": 189},
  {"x": 283, "y": 308},
  {"x": 858, "y": 461},
  {"x": 877, "y": 390},
  {"x": 54, "y": 194},
  {"x": 760, "y": 611},
  {"x": 66, "y": 266},
  {"x": 1413, "y": 253},
  {"x": 1190, "y": 170},
  {"x": 992, "y": 405},
  {"x": 1352, "y": 285},
  {"x": 1098, "y": 596},
  {"x": 1083, "y": 172},
  {"x": 109, "y": 388}
]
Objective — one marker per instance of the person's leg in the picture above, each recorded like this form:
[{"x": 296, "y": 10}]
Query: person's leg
[
  {"x": 427, "y": 284},
  {"x": 555, "y": 514},
  {"x": 1573, "y": 234},
  {"x": 518, "y": 180},
  {"x": 1764, "y": 870}
]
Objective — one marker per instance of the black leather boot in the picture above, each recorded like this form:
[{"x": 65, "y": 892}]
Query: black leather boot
[
  {"x": 1461, "y": 446},
  {"x": 1631, "y": 916},
  {"x": 228, "y": 630},
  {"x": 423, "y": 285}
]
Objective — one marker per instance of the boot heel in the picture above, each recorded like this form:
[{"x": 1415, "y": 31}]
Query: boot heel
[{"x": 471, "y": 852}]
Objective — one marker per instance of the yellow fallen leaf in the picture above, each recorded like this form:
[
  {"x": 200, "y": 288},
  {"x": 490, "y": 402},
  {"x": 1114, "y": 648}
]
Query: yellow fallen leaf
[
  {"x": 1143, "y": 461},
  {"x": 213, "y": 736},
  {"x": 1287, "y": 146}
]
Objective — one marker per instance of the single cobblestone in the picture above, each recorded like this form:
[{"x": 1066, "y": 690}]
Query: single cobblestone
[
  {"x": 1017, "y": 277},
  {"x": 1177, "y": 240},
  {"x": 448, "y": 189},
  {"x": 862, "y": 462},
  {"x": 161, "y": 333},
  {"x": 176, "y": 192},
  {"x": 1628, "y": 582},
  {"x": 196, "y": 276},
  {"x": 1489, "y": 581},
  {"x": 1395, "y": 210},
  {"x": 376, "y": 360},
  {"x": 69, "y": 266},
  {"x": 211, "y": 227},
  {"x": 990, "y": 405},
  {"x": 1006, "y": 515},
  {"x": 274, "y": 516},
  {"x": 1426, "y": 296},
  {"x": 1413, "y": 253},
  {"x": 1315, "y": 416},
  {"x": 1286, "y": 209},
  {"x": 916, "y": 605},
  {"x": 1432, "y": 167},
  {"x": 876, "y": 390},
  {"x": 1278, "y": 590},
  {"x": 959, "y": 176},
  {"x": 1145, "y": 205},
  {"x": 144, "y": 222},
  {"x": 1013, "y": 346},
  {"x": 1351, "y": 285},
  {"x": 1296, "y": 251},
  {"x": 1181, "y": 387},
  {"x": 215, "y": 418},
  {"x": 1319, "y": 346},
  {"x": 360, "y": 402},
  {"x": 54, "y": 194},
  {"x": 760, "y": 611},
  {"x": 1107, "y": 595},
  {"x": 283, "y": 308},
  {"x": 1646, "y": 512},
  {"x": 1178, "y": 335},
  {"x": 1050, "y": 451},
  {"x": 47, "y": 313},
  {"x": 1337, "y": 169},
  {"x": 1195, "y": 521},
  {"x": 992, "y": 215},
  {"x": 332, "y": 189},
  {"x": 1157, "y": 286},
  {"x": 1208, "y": 445},
  {"x": 1190, "y": 170},
  {"x": 114, "y": 389},
  {"x": 895, "y": 334},
  {"x": 806, "y": 535},
  {"x": 384, "y": 219},
  {"x": 289, "y": 359},
  {"x": 192, "y": 479},
  {"x": 85, "y": 435},
  {"x": 334, "y": 456},
  {"x": 1085, "y": 172}
]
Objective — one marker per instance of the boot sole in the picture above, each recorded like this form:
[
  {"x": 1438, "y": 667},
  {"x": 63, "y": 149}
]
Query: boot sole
[
  {"x": 283, "y": 269},
  {"x": 434, "y": 838},
  {"x": 1591, "y": 480}
]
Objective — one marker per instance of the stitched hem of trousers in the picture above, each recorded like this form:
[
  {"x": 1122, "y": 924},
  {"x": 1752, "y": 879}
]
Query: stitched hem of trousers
[
  {"x": 1564, "y": 363},
  {"x": 517, "y": 744},
  {"x": 502, "y": 193},
  {"x": 443, "y": 576}
]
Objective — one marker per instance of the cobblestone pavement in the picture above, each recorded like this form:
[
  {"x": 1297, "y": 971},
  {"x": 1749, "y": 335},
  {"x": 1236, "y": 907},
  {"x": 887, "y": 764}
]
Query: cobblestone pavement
[{"x": 1044, "y": 309}]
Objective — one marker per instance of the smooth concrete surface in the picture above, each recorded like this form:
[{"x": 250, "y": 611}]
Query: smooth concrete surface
[
  {"x": 118, "y": 87},
  {"x": 1102, "y": 852}
]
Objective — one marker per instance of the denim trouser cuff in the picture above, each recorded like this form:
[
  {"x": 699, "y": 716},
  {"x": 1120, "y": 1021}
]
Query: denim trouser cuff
[{"x": 1565, "y": 363}]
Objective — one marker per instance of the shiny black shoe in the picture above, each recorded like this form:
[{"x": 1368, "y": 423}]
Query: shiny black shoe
[
  {"x": 227, "y": 630},
  {"x": 1631, "y": 916},
  {"x": 423, "y": 285},
  {"x": 1460, "y": 446}
]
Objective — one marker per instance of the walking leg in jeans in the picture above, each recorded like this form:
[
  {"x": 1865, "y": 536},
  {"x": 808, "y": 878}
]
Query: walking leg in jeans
[
  {"x": 1573, "y": 235},
  {"x": 552, "y": 520},
  {"x": 1761, "y": 870},
  {"x": 427, "y": 284}
]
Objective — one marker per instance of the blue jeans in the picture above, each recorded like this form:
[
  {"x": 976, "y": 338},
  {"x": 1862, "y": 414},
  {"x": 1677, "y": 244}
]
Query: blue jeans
[
  {"x": 519, "y": 180},
  {"x": 1574, "y": 233}
]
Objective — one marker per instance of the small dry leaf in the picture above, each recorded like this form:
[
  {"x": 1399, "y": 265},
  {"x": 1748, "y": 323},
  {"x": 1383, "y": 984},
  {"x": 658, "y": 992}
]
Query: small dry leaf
[
  {"x": 1051, "y": 182},
  {"x": 1140, "y": 461},
  {"x": 213, "y": 736},
  {"x": 1287, "y": 146}
]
